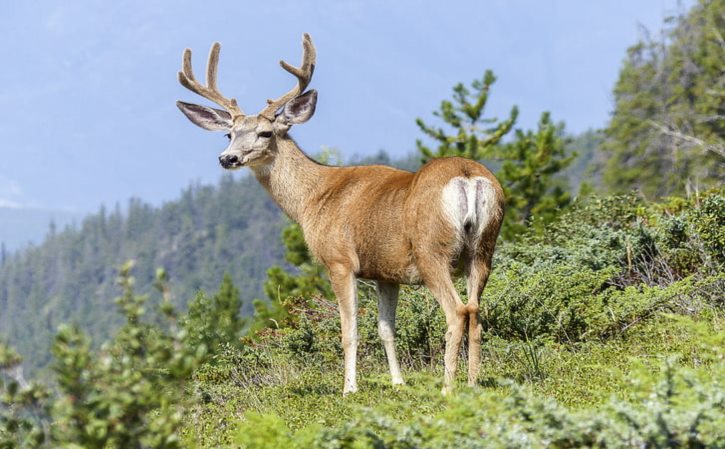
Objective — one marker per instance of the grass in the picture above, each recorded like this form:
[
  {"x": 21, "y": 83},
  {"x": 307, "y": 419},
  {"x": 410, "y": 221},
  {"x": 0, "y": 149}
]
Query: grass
[{"x": 585, "y": 376}]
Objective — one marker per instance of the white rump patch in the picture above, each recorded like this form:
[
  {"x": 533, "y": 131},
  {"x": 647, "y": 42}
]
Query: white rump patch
[{"x": 468, "y": 203}]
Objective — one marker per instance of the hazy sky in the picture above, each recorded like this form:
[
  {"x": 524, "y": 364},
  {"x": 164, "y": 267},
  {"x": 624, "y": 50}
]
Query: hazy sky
[{"x": 87, "y": 88}]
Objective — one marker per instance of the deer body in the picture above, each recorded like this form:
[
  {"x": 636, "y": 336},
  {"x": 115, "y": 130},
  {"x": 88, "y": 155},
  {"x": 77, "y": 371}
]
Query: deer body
[{"x": 372, "y": 222}]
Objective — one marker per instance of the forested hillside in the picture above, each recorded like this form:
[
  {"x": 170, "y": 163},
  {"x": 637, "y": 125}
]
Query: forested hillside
[{"x": 231, "y": 228}]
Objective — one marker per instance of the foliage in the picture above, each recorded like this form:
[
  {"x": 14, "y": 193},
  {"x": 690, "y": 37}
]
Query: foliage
[
  {"x": 214, "y": 321},
  {"x": 528, "y": 164},
  {"x": 674, "y": 412},
  {"x": 464, "y": 115},
  {"x": 666, "y": 133},
  {"x": 129, "y": 393},
  {"x": 232, "y": 227},
  {"x": 23, "y": 406}
]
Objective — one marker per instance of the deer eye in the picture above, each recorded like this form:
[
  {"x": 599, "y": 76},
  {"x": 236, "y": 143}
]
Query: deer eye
[
  {"x": 228, "y": 136},
  {"x": 265, "y": 134}
]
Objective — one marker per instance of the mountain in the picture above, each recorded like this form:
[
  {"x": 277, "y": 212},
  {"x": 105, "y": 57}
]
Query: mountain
[{"x": 233, "y": 227}]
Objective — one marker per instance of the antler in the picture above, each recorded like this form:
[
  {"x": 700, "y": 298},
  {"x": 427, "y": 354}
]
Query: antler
[
  {"x": 303, "y": 74},
  {"x": 210, "y": 91}
]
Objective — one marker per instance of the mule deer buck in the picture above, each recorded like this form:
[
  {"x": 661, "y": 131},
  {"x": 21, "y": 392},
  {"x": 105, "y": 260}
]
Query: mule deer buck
[{"x": 371, "y": 222}]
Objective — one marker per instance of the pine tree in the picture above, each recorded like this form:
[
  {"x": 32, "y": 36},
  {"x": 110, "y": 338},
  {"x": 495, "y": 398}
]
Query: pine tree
[
  {"x": 217, "y": 320},
  {"x": 666, "y": 135},
  {"x": 528, "y": 165},
  {"x": 474, "y": 136}
]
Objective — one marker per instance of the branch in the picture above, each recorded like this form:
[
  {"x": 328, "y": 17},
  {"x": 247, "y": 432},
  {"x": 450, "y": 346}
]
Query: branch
[{"x": 716, "y": 148}]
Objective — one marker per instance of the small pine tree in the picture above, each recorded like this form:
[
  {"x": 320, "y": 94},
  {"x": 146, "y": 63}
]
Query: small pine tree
[
  {"x": 215, "y": 321},
  {"x": 128, "y": 394},
  {"x": 474, "y": 136},
  {"x": 24, "y": 408},
  {"x": 529, "y": 164}
]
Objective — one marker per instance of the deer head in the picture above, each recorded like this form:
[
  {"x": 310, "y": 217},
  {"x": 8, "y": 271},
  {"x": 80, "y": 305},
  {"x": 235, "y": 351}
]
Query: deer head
[{"x": 252, "y": 138}]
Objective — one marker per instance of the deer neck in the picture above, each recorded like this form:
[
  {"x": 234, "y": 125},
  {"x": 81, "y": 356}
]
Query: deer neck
[{"x": 291, "y": 178}]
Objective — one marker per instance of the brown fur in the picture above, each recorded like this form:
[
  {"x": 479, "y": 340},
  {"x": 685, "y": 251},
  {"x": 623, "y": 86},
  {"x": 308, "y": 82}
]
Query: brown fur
[{"x": 381, "y": 223}]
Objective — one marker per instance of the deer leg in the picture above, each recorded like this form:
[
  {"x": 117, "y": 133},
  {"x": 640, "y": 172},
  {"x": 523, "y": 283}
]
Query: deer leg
[
  {"x": 387, "y": 304},
  {"x": 440, "y": 284},
  {"x": 345, "y": 288},
  {"x": 478, "y": 271}
]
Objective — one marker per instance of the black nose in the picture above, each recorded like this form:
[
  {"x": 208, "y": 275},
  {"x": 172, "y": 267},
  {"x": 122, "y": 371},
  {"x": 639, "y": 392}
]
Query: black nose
[{"x": 228, "y": 160}]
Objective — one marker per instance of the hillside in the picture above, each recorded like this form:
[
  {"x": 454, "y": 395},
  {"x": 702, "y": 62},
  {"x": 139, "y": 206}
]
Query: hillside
[
  {"x": 603, "y": 320},
  {"x": 71, "y": 277},
  {"x": 605, "y": 331}
]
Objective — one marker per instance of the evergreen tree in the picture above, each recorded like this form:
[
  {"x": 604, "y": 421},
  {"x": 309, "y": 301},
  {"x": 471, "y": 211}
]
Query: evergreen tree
[
  {"x": 474, "y": 137},
  {"x": 128, "y": 394},
  {"x": 215, "y": 321},
  {"x": 528, "y": 165},
  {"x": 23, "y": 407},
  {"x": 666, "y": 135}
]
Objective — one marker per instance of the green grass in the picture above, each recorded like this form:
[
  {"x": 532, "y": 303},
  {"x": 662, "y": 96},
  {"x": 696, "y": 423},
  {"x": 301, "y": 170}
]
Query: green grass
[{"x": 581, "y": 377}]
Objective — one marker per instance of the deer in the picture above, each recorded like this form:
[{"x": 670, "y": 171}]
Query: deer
[{"x": 375, "y": 222}]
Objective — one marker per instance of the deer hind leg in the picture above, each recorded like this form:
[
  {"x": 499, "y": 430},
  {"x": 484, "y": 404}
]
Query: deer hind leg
[
  {"x": 345, "y": 287},
  {"x": 478, "y": 271},
  {"x": 438, "y": 280},
  {"x": 387, "y": 305}
]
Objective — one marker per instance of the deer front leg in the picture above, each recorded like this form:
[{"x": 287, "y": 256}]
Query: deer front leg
[
  {"x": 387, "y": 305},
  {"x": 345, "y": 288}
]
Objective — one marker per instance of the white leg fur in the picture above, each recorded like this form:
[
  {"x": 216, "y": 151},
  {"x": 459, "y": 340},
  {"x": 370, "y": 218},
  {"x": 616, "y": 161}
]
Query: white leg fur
[
  {"x": 387, "y": 305},
  {"x": 345, "y": 287}
]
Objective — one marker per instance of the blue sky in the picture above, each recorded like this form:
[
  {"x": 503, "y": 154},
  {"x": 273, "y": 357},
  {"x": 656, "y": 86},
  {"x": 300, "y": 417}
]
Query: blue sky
[{"x": 87, "y": 89}]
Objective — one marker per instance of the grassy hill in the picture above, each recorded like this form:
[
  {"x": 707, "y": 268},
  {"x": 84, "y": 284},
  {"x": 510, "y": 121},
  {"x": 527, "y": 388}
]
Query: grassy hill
[{"x": 605, "y": 331}]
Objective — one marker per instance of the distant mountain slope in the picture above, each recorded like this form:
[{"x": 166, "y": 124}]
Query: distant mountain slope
[
  {"x": 233, "y": 227},
  {"x": 19, "y": 226}
]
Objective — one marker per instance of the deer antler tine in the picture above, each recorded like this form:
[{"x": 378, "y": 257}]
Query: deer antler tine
[
  {"x": 291, "y": 69},
  {"x": 186, "y": 65},
  {"x": 303, "y": 73},
  {"x": 210, "y": 91},
  {"x": 211, "y": 67}
]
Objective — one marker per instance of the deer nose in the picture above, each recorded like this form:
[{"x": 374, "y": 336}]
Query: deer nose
[{"x": 228, "y": 160}]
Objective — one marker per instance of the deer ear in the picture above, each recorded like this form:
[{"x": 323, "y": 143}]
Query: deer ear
[
  {"x": 207, "y": 118},
  {"x": 301, "y": 108}
]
